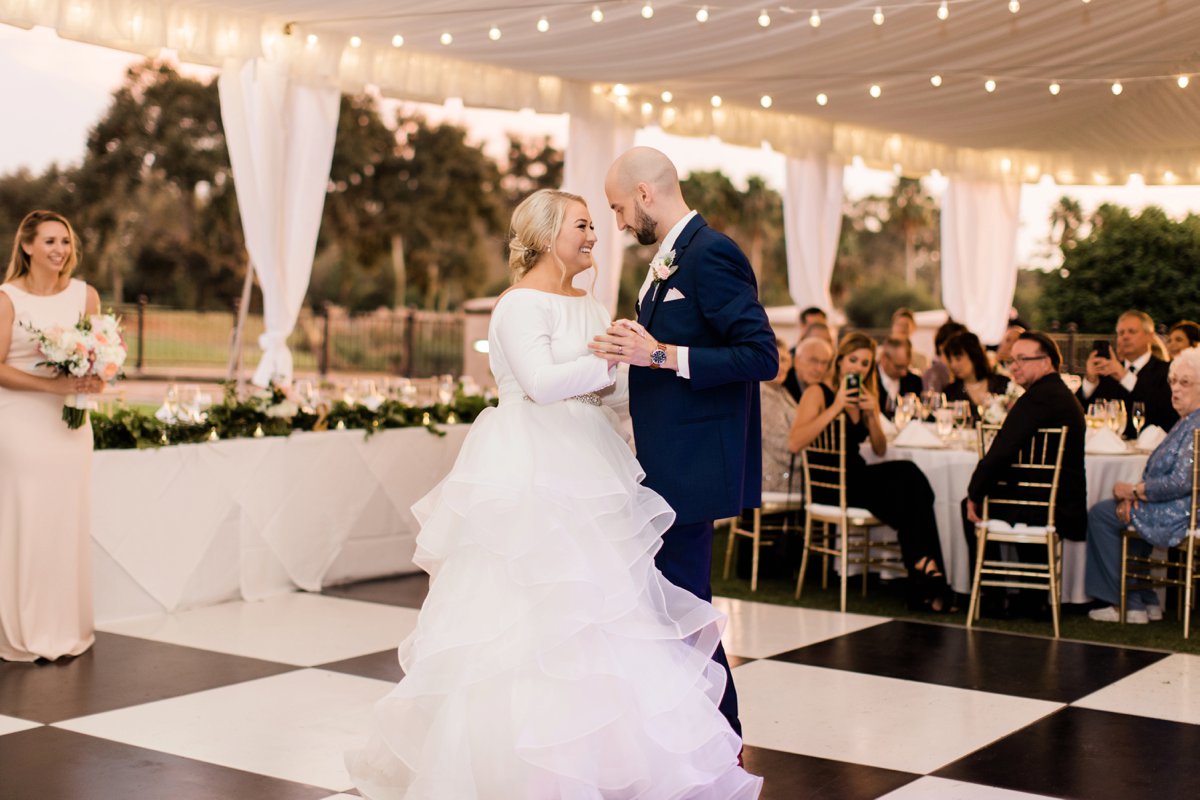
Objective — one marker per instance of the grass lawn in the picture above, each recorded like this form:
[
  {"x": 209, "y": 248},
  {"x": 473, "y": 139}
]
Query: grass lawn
[{"x": 886, "y": 599}]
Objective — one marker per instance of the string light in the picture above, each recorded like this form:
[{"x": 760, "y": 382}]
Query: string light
[
  {"x": 989, "y": 85},
  {"x": 543, "y": 25},
  {"x": 447, "y": 38},
  {"x": 822, "y": 99},
  {"x": 597, "y": 15},
  {"x": 875, "y": 91},
  {"x": 494, "y": 34},
  {"x": 716, "y": 101},
  {"x": 1014, "y": 6},
  {"x": 1117, "y": 88},
  {"x": 620, "y": 90},
  {"x": 647, "y": 108},
  {"x": 312, "y": 40},
  {"x": 764, "y": 19},
  {"x": 667, "y": 97},
  {"x": 765, "y": 101},
  {"x": 355, "y": 41},
  {"x": 877, "y": 17},
  {"x": 647, "y": 11},
  {"x": 943, "y": 12},
  {"x": 814, "y": 19},
  {"x": 397, "y": 41},
  {"x": 1055, "y": 88},
  {"x": 936, "y": 81},
  {"x": 1183, "y": 81}
]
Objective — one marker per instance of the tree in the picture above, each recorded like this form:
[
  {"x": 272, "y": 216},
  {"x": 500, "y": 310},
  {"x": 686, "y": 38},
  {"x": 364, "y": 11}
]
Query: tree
[{"x": 1126, "y": 261}]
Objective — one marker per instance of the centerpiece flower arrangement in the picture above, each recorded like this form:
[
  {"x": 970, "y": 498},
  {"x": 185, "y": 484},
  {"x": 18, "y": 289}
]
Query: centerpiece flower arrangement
[{"x": 93, "y": 347}]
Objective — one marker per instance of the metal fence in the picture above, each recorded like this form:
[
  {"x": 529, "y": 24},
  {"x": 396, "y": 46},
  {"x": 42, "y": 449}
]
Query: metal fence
[{"x": 415, "y": 344}]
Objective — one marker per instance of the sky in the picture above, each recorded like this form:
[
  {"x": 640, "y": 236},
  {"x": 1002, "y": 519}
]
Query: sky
[{"x": 60, "y": 88}]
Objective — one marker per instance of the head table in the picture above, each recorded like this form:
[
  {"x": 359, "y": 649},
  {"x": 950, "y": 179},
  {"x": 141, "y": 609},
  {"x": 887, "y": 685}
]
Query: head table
[
  {"x": 949, "y": 472},
  {"x": 195, "y": 524}
]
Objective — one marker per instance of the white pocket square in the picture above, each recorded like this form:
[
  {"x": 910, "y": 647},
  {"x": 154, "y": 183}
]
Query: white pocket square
[{"x": 673, "y": 294}]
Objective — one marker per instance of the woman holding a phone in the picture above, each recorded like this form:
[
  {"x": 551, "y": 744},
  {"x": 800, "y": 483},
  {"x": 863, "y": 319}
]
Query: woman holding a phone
[{"x": 896, "y": 492}]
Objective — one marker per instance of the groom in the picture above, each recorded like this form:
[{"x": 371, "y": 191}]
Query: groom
[{"x": 703, "y": 343}]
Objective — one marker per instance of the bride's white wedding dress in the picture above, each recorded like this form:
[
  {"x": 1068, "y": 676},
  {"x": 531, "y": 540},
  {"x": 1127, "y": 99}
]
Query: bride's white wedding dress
[{"x": 551, "y": 659}]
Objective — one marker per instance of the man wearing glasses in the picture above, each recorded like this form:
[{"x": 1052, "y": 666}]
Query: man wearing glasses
[{"x": 1046, "y": 403}]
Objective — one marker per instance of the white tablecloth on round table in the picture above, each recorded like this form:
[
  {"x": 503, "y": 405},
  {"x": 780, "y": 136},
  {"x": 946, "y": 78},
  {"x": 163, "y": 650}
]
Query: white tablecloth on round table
[
  {"x": 191, "y": 525},
  {"x": 949, "y": 473}
]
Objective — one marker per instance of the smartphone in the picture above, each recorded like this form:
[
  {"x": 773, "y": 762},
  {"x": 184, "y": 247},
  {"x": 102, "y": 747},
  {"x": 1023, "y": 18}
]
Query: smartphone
[
  {"x": 1102, "y": 348},
  {"x": 853, "y": 382}
]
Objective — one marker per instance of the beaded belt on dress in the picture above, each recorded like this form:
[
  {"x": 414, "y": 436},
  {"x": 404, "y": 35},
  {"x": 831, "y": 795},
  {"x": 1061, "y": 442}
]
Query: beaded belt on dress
[{"x": 592, "y": 399}]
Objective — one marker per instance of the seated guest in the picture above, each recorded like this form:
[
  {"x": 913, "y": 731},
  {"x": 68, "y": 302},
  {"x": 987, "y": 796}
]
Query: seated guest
[
  {"x": 1134, "y": 375},
  {"x": 1046, "y": 403},
  {"x": 896, "y": 492},
  {"x": 938, "y": 376},
  {"x": 1157, "y": 507},
  {"x": 904, "y": 326},
  {"x": 974, "y": 380},
  {"x": 1183, "y": 334},
  {"x": 813, "y": 324},
  {"x": 896, "y": 379},
  {"x": 778, "y": 409},
  {"x": 1004, "y": 350}
]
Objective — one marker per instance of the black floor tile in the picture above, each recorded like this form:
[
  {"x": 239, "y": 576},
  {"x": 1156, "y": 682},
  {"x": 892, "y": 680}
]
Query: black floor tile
[
  {"x": 737, "y": 661},
  {"x": 1097, "y": 755},
  {"x": 403, "y": 590},
  {"x": 787, "y": 776},
  {"x": 51, "y": 764},
  {"x": 384, "y": 666},
  {"x": 119, "y": 671},
  {"x": 1027, "y": 666}
]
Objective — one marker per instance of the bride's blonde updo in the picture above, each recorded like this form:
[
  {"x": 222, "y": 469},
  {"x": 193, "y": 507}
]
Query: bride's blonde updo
[{"x": 535, "y": 227}]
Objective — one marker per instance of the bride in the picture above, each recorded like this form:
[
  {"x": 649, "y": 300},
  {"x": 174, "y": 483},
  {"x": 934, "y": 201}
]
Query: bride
[{"x": 551, "y": 659}]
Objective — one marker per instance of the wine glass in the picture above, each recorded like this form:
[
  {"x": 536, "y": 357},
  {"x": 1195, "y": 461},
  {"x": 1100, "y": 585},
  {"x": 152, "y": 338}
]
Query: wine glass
[
  {"x": 1116, "y": 416},
  {"x": 904, "y": 412},
  {"x": 1139, "y": 416},
  {"x": 1097, "y": 415}
]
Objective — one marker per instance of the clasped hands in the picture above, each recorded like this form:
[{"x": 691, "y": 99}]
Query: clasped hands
[
  {"x": 1127, "y": 500},
  {"x": 625, "y": 342}
]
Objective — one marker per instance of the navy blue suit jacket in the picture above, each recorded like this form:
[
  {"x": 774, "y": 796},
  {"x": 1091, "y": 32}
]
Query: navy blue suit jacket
[{"x": 699, "y": 439}]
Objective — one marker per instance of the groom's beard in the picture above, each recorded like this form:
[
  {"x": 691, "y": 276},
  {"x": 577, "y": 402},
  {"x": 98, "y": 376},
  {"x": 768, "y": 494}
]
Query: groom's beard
[{"x": 645, "y": 229}]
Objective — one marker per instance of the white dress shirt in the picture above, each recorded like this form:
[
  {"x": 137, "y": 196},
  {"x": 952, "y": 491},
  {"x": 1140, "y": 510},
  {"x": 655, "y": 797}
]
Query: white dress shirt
[
  {"x": 1128, "y": 380},
  {"x": 667, "y": 245}
]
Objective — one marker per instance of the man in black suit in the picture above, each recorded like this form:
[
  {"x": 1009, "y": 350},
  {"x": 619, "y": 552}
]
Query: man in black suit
[
  {"x": 1047, "y": 403},
  {"x": 1134, "y": 375},
  {"x": 813, "y": 321},
  {"x": 896, "y": 377}
]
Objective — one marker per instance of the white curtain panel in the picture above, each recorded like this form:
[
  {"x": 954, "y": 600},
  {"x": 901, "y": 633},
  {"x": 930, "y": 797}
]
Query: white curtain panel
[
  {"x": 812, "y": 223},
  {"x": 280, "y": 136},
  {"x": 979, "y": 242},
  {"x": 594, "y": 140}
]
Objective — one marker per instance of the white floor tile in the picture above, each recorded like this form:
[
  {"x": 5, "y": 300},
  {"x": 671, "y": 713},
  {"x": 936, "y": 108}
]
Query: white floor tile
[
  {"x": 1168, "y": 689},
  {"x": 930, "y": 788},
  {"x": 866, "y": 719},
  {"x": 294, "y": 726},
  {"x": 760, "y": 630},
  {"x": 299, "y": 628},
  {"x": 14, "y": 725},
  {"x": 343, "y": 797}
]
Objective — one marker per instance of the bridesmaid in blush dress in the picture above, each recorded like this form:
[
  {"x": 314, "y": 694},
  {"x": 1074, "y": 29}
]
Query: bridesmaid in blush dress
[{"x": 45, "y": 467}]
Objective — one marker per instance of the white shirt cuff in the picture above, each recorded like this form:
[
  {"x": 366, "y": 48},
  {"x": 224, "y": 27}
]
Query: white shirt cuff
[
  {"x": 1129, "y": 381},
  {"x": 1089, "y": 388},
  {"x": 681, "y": 357}
]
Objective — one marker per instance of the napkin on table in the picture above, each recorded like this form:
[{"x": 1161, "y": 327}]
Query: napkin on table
[
  {"x": 918, "y": 434},
  {"x": 889, "y": 427},
  {"x": 1103, "y": 441},
  {"x": 1151, "y": 438}
]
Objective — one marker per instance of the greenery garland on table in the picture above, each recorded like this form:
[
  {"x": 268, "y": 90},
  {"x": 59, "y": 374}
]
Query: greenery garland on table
[{"x": 273, "y": 414}]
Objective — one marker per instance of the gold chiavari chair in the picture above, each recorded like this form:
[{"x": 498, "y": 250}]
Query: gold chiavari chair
[
  {"x": 1032, "y": 484},
  {"x": 774, "y": 517},
  {"x": 1180, "y": 572},
  {"x": 845, "y": 531}
]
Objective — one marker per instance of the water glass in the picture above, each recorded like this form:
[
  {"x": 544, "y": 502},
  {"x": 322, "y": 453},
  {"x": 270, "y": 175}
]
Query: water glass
[{"x": 944, "y": 422}]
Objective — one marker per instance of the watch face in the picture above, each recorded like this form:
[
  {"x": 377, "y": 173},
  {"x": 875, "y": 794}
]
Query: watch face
[{"x": 659, "y": 356}]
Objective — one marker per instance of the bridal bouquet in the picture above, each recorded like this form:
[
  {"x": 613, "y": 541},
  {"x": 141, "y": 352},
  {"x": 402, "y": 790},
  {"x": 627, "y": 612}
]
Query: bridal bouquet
[{"x": 94, "y": 347}]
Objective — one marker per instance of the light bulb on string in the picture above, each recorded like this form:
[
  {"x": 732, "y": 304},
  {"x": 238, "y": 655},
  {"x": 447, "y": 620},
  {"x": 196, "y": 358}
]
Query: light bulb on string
[
  {"x": 875, "y": 90},
  {"x": 989, "y": 85},
  {"x": 397, "y": 41},
  {"x": 543, "y": 25},
  {"x": 356, "y": 41},
  {"x": 765, "y": 101},
  {"x": 877, "y": 17},
  {"x": 1182, "y": 81},
  {"x": 667, "y": 97},
  {"x": 822, "y": 99},
  {"x": 447, "y": 38},
  {"x": 702, "y": 14},
  {"x": 647, "y": 11},
  {"x": 1014, "y": 6},
  {"x": 764, "y": 19},
  {"x": 620, "y": 90},
  {"x": 312, "y": 40},
  {"x": 1055, "y": 88},
  {"x": 716, "y": 101},
  {"x": 597, "y": 15},
  {"x": 1117, "y": 88},
  {"x": 647, "y": 108},
  {"x": 935, "y": 81},
  {"x": 494, "y": 34},
  {"x": 814, "y": 19},
  {"x": 943, "y": 12}
]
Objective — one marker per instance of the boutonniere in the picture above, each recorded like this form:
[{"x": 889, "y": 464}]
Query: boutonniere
[{"x": 663, "y": 267}]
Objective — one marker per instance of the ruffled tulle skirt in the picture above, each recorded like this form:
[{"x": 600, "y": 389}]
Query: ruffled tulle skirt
[{"x": 551, "y": 660}]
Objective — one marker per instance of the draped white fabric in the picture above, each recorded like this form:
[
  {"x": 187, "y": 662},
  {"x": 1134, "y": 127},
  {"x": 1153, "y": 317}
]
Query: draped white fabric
[
  {"x": 979, "y": 241},
  {"x": 280, "y": 136},
  {"x": 595, "y": 139},
  {"x": 812, "y": 223}
]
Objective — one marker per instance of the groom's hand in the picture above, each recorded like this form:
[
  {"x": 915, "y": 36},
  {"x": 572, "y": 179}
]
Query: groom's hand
[{"x": 625, "y": 341}]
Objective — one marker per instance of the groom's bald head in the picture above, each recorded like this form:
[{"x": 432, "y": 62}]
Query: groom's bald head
[{"x": 643, "y": 191}]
